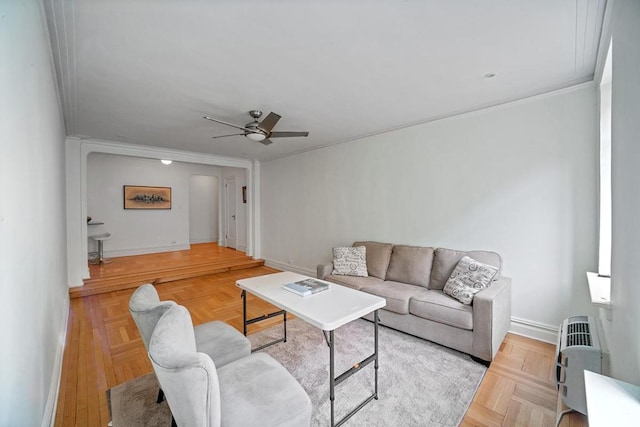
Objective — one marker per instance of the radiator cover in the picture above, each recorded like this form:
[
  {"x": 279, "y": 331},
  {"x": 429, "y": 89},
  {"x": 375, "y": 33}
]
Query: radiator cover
[{"x": 580, "y": 347}]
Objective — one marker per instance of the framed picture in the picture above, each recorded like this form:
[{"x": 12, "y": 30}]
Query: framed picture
[
  {"x": 244, "y": 194},
  {"x": 140, "y": 197}
]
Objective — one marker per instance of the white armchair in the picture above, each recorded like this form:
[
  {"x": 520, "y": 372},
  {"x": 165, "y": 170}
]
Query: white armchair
[
  {"x": 221, "y": 342},
  {"x": 252, "y": 391}
]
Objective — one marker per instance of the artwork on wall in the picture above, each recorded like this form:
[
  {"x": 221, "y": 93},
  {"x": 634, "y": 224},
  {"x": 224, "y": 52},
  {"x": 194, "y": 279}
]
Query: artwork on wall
[
  {"x": 141, "y": 197},
  {"x": 244, "y": 194}
]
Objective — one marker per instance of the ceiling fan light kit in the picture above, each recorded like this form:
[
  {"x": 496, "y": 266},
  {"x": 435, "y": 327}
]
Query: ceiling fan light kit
[
  {"x": 259, "y": 131},
  {"x": 257, "y": 137}
]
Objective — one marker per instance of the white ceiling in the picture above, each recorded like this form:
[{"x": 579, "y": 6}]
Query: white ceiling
[{"x": 146, "y": 71}]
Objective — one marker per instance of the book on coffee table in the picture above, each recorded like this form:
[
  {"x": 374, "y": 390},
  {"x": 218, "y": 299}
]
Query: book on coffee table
[{"x": 306, "y": 287}]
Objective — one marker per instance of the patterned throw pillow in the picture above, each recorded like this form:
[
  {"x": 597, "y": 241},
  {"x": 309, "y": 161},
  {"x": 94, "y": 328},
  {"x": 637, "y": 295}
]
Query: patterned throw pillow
[
  {"x": 468, "y": 278},
  {"x": 350, "y": 261}
]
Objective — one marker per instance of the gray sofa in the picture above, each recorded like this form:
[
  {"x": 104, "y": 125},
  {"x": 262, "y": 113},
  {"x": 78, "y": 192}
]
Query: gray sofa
[{"x": 411, "y": 279}]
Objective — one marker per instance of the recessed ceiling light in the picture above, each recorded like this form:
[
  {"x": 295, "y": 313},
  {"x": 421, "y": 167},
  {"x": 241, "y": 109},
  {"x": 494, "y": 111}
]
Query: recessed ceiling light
[
  {"x": 166, "y": 162},
  {"x": 489, "y": 75}
]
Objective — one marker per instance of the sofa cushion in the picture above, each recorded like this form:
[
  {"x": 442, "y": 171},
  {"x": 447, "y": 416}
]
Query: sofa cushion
[
  {"x": 353, "y": 282},
  {"x": 410, "y": 264},
  {"x": 350, "y": 261},
  {"x": 397, "y": 295},
  {"x": 378, "y": 256},
  {"x": 438, "y": 307},
  {"x": 445, "y": 260},
  {"x": 468, "y": 278}
]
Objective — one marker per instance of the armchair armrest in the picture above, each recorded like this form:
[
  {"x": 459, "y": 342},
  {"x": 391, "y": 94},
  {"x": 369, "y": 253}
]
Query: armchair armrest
[
  {"x": 491, "y": 318},
  {"x": 323, "y": 270}
]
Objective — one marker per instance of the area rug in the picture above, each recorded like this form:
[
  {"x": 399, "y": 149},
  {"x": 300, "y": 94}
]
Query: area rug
[{"x": 420, "y": 383}]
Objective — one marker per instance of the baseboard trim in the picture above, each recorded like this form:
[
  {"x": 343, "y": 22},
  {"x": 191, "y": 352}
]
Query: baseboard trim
[
  {"x": 288, "y": 267},
  {"x": 49, "y": 416},
  {"x": 535, "y": 330},
  {"x": 197, "y": 240},
  {"x": 142, "y": 251}
]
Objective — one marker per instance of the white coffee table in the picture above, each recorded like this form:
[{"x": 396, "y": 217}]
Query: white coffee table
[{"x": 326, "y": 310}]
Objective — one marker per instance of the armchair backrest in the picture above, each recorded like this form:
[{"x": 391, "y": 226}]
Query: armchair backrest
[
  {"x": 147, "y": 309},
  {"x": 188, "y": 378}
]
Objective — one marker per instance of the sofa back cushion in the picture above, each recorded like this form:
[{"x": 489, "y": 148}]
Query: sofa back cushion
[
  {"x": 445, "y": 261},
  {"x": 378, "y": 256},
  {"x": 410, "y": 264}
]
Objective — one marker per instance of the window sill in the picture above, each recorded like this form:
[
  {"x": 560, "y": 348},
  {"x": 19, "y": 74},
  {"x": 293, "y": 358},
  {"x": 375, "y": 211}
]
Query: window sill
[{"x": 600, "y": 290}]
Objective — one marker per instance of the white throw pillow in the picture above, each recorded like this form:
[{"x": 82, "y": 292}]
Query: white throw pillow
[
  {"x": 468, "y": 278},
  {"x": 350, "y": 261}
]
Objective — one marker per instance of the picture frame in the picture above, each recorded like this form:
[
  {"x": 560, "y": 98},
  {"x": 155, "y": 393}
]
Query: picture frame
[
  {"x": 244, "y": 194},
  {"x": 146, "y": 197}
]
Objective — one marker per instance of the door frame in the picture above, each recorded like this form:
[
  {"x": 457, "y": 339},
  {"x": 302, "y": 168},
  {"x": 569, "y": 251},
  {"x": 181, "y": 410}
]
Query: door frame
[{"x": 227, "y": 219}]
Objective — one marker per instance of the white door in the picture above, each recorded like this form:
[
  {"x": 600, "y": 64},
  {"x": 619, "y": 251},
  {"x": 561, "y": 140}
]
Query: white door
[{"x": 230, "y": 214}]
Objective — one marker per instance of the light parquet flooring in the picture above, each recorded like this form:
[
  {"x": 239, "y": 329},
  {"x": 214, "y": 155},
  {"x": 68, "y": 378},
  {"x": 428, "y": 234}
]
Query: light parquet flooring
[
  {"x": 199, "y": 254},
  {"x": 131, "y": 271},
  {"x": 104, "y": 349},
  {"x": 518, "y": 389}
]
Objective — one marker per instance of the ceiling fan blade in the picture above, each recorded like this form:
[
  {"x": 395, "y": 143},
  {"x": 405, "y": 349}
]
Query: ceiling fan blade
[
  {"x": 287, "y": 134},
  {"x": 224, "y": 136},
  {"x": 266, "y": 141},
  {"x": 269, "y": 122},
  {"x": 228, "y": 124}
]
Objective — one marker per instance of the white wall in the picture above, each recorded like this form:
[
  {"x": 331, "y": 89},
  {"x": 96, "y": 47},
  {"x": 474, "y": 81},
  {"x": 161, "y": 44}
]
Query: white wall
[
  {"x": 34, "y": 303},
  {"x": 624, "y": 342},
  {"x": 519, "y": 179},
  {"x": 204, "y": 209},
  {"x": 241, "y": 208},
  {"x": 136, "y": 231}
]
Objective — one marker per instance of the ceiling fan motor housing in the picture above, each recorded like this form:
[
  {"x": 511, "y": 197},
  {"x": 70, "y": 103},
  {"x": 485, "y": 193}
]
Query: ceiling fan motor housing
[{"x": 256, "y": 114}]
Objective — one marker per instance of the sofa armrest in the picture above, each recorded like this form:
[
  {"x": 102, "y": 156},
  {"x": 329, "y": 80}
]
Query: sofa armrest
[
  {"x": 491, "y": 318},
  {"x": 323, "y": 270}
]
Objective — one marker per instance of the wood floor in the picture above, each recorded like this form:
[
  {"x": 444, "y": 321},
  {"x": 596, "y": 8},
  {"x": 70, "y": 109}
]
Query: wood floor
[
  {"x": 104, "y": 349},
  {"x": 129, "y": 272}
]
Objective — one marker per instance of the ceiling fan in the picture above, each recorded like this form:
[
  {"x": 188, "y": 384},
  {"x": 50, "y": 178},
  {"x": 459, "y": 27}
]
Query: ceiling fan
[{"x": 259, "y": 131}]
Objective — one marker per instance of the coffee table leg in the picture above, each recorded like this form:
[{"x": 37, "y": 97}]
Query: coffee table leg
[
  {"x": 332, "y": 378},
  {"x": 333, "y": 381},
  {"x": 244, "y": 312},
  {"x": 246, "y": 322},
  {"x": 284, "y": 315},
  {"x": 375, "y": 349}
]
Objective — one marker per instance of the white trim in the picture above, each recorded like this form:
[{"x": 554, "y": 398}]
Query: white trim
[
  {"x": 150, "y": 250},
  {"x": 196, "y": 240},
  {"x": 535, "y": 330},
  {"x": 288, "y": 267},
  {"x": 226, "y": 221},
  {"x": 49, "y": 416},
  {"x": 254, "y": 237},
  {"x": 605, "y": 41},
  {"x": 90, "y": 145},
  {"x": 242, "y": 248}
]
